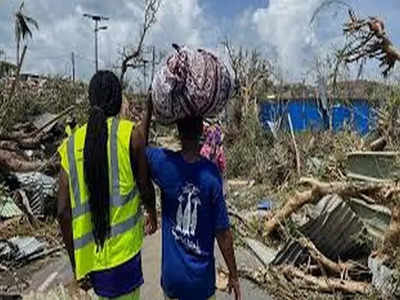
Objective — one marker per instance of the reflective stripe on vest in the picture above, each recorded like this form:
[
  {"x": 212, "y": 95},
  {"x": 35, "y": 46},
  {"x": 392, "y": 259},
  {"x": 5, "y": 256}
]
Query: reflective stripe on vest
[
  {"x": 115, "y": 230},
  {"x": 116, "y": 199}
]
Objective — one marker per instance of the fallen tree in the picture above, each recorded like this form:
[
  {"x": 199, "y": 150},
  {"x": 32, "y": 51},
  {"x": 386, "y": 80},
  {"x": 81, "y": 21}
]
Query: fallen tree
[
  {"x": 317, "y": 191},
  {"x": 12, "y": 146}
]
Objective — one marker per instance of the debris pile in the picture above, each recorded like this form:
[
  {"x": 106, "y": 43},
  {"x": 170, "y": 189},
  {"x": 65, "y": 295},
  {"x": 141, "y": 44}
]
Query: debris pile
[
  {"x": 338, "y": 238},
  {"x": 29, "y": 237}
]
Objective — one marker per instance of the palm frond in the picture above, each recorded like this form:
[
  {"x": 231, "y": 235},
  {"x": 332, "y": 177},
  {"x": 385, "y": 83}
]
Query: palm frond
[
  {"x": 32, "y": 21},
  {"x": 22, "y": 23},
  {"x": 24, "y": 27},
  {"x": 17, "y": 30}
]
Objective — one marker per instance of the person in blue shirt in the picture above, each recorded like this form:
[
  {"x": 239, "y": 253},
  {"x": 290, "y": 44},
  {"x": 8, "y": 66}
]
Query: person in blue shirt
[{"x": 194, "y": 214}]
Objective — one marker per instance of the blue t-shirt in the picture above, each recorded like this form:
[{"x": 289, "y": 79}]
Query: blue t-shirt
[{"x": 193, "y": 210}]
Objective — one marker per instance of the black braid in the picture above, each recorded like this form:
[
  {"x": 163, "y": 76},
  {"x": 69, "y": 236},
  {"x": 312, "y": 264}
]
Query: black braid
[{"x": 105, "y": 101}]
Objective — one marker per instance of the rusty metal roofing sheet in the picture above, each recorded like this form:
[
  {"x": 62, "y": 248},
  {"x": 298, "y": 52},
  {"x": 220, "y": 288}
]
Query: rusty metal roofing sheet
[{"x": 334, "y": 232}]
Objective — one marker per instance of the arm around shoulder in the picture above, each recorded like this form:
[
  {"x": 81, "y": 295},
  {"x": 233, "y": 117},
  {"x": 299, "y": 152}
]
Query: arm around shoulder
[{"x": 142, "y": 177}]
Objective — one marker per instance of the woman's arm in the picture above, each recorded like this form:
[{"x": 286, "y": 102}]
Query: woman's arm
[
  {"x": 225, "y": 242},
  {"x": 64, "y": 215},
  {"x": 143, "y": 181}
]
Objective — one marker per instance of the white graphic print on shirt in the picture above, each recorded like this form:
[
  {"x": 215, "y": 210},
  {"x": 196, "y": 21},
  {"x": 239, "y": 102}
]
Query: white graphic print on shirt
[{"x": 186, "y": 217}]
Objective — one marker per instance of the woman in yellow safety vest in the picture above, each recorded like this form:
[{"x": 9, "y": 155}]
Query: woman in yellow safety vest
[{"x": 104, "y": 177}]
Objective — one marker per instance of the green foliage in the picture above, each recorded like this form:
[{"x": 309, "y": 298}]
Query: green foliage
[
  {"x": 34, "y": 97},
  {"x": 247, "y": 151},
  {"x": 6, "y": 68},
  {"x": 252, "y": 153}
]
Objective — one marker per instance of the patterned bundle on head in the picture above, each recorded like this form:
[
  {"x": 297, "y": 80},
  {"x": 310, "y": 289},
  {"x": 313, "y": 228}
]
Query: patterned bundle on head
[{"x": 191, "y": 83}]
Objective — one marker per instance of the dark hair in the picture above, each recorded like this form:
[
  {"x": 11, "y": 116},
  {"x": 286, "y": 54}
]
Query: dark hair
[
  {"x": 190, "y": 128},
  {"x": 105, "y": 99}
]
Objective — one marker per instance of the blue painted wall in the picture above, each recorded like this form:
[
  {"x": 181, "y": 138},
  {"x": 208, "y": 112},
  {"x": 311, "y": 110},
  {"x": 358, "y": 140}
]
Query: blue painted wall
[{"x": 307, "y": 114}]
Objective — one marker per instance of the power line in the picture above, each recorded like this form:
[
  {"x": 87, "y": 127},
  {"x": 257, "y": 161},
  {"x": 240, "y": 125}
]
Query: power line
[{"x": 73, "y": 66}]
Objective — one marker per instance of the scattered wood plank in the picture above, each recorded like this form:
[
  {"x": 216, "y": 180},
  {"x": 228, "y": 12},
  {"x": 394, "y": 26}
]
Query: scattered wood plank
[
  {"x": 295, "y": 146},
  {"x": 367, "y": 178}
]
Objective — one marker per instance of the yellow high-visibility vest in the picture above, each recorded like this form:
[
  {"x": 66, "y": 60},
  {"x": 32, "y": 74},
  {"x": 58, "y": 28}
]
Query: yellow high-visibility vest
[
  {"x": 126, "y": 234},
  {"x": 69, "y": 131}
]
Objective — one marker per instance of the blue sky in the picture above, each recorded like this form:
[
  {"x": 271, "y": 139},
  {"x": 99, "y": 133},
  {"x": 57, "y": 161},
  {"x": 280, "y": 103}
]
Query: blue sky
[
  {"x": 232, "y": 8},
  {"x": 279, "y": 28}
]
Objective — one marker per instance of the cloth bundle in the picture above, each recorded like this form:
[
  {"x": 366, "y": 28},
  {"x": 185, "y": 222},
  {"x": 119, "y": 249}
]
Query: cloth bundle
[{"x": 190, "y": 83}]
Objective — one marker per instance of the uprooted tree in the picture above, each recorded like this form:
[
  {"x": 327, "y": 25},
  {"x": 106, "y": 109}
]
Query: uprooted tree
[{"x": 132, "y": 56}]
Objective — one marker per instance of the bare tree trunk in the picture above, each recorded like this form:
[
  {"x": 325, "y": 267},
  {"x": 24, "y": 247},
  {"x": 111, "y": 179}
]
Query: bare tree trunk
[{"x": 17, "y": 60}]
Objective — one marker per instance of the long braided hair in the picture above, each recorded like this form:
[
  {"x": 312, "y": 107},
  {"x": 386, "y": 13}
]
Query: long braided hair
[{"x": 105, "y": 100}]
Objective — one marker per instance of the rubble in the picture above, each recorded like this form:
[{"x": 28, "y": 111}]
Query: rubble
[
  {"x": 40, "y": 189},
  {"x": 18, "y": 251},
  {"x": 40, "y": 121},
  {"x": 329, "y": 252},
  {"x": 383, "y": 278},
  {"x": 376, "y": 218},
  {"x": 264, "y": 254},
  {"x": 335, "y": 232}
]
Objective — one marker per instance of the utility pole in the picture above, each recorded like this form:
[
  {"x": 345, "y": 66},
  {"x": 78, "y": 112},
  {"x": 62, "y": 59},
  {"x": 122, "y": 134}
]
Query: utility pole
[
  {"x": 153, "y": 64},
  {"x": 96, "y": 20},
  {"x": 144, "y": 76},
  {"x": 73, "y": 66}
]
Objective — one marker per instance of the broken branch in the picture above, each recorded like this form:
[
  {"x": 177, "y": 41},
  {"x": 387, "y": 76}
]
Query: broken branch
[
  {"x": 369, "y": 40},
  {"x": 327, "y": 284},
  {"x": 319, "y": 257},
  {"x": 295, "y": 146}
]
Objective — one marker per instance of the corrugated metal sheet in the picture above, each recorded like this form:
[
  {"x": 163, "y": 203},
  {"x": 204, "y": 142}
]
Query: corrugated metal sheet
[
  {"x": 39, "y": 188},
  {"x": 27, "y": 246},
  {"x": 334, "y": 232},
  {"x": 18, "y": 248},
  {"x": 44, "y": 119},
  {"x": 8, "y": 208}
]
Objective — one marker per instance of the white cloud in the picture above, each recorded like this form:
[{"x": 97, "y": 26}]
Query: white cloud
[
  {"x": 182, "y": 22},
  {"x": 285, "y": 25},
  {"x": 64, "y": 30},
  {"x": 281, "y": 30}
]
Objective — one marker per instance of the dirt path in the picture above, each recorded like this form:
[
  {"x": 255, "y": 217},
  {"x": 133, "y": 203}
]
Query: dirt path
[
  {"x": 57, "y": 270},
  {"x": 151, "y": 256}
]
